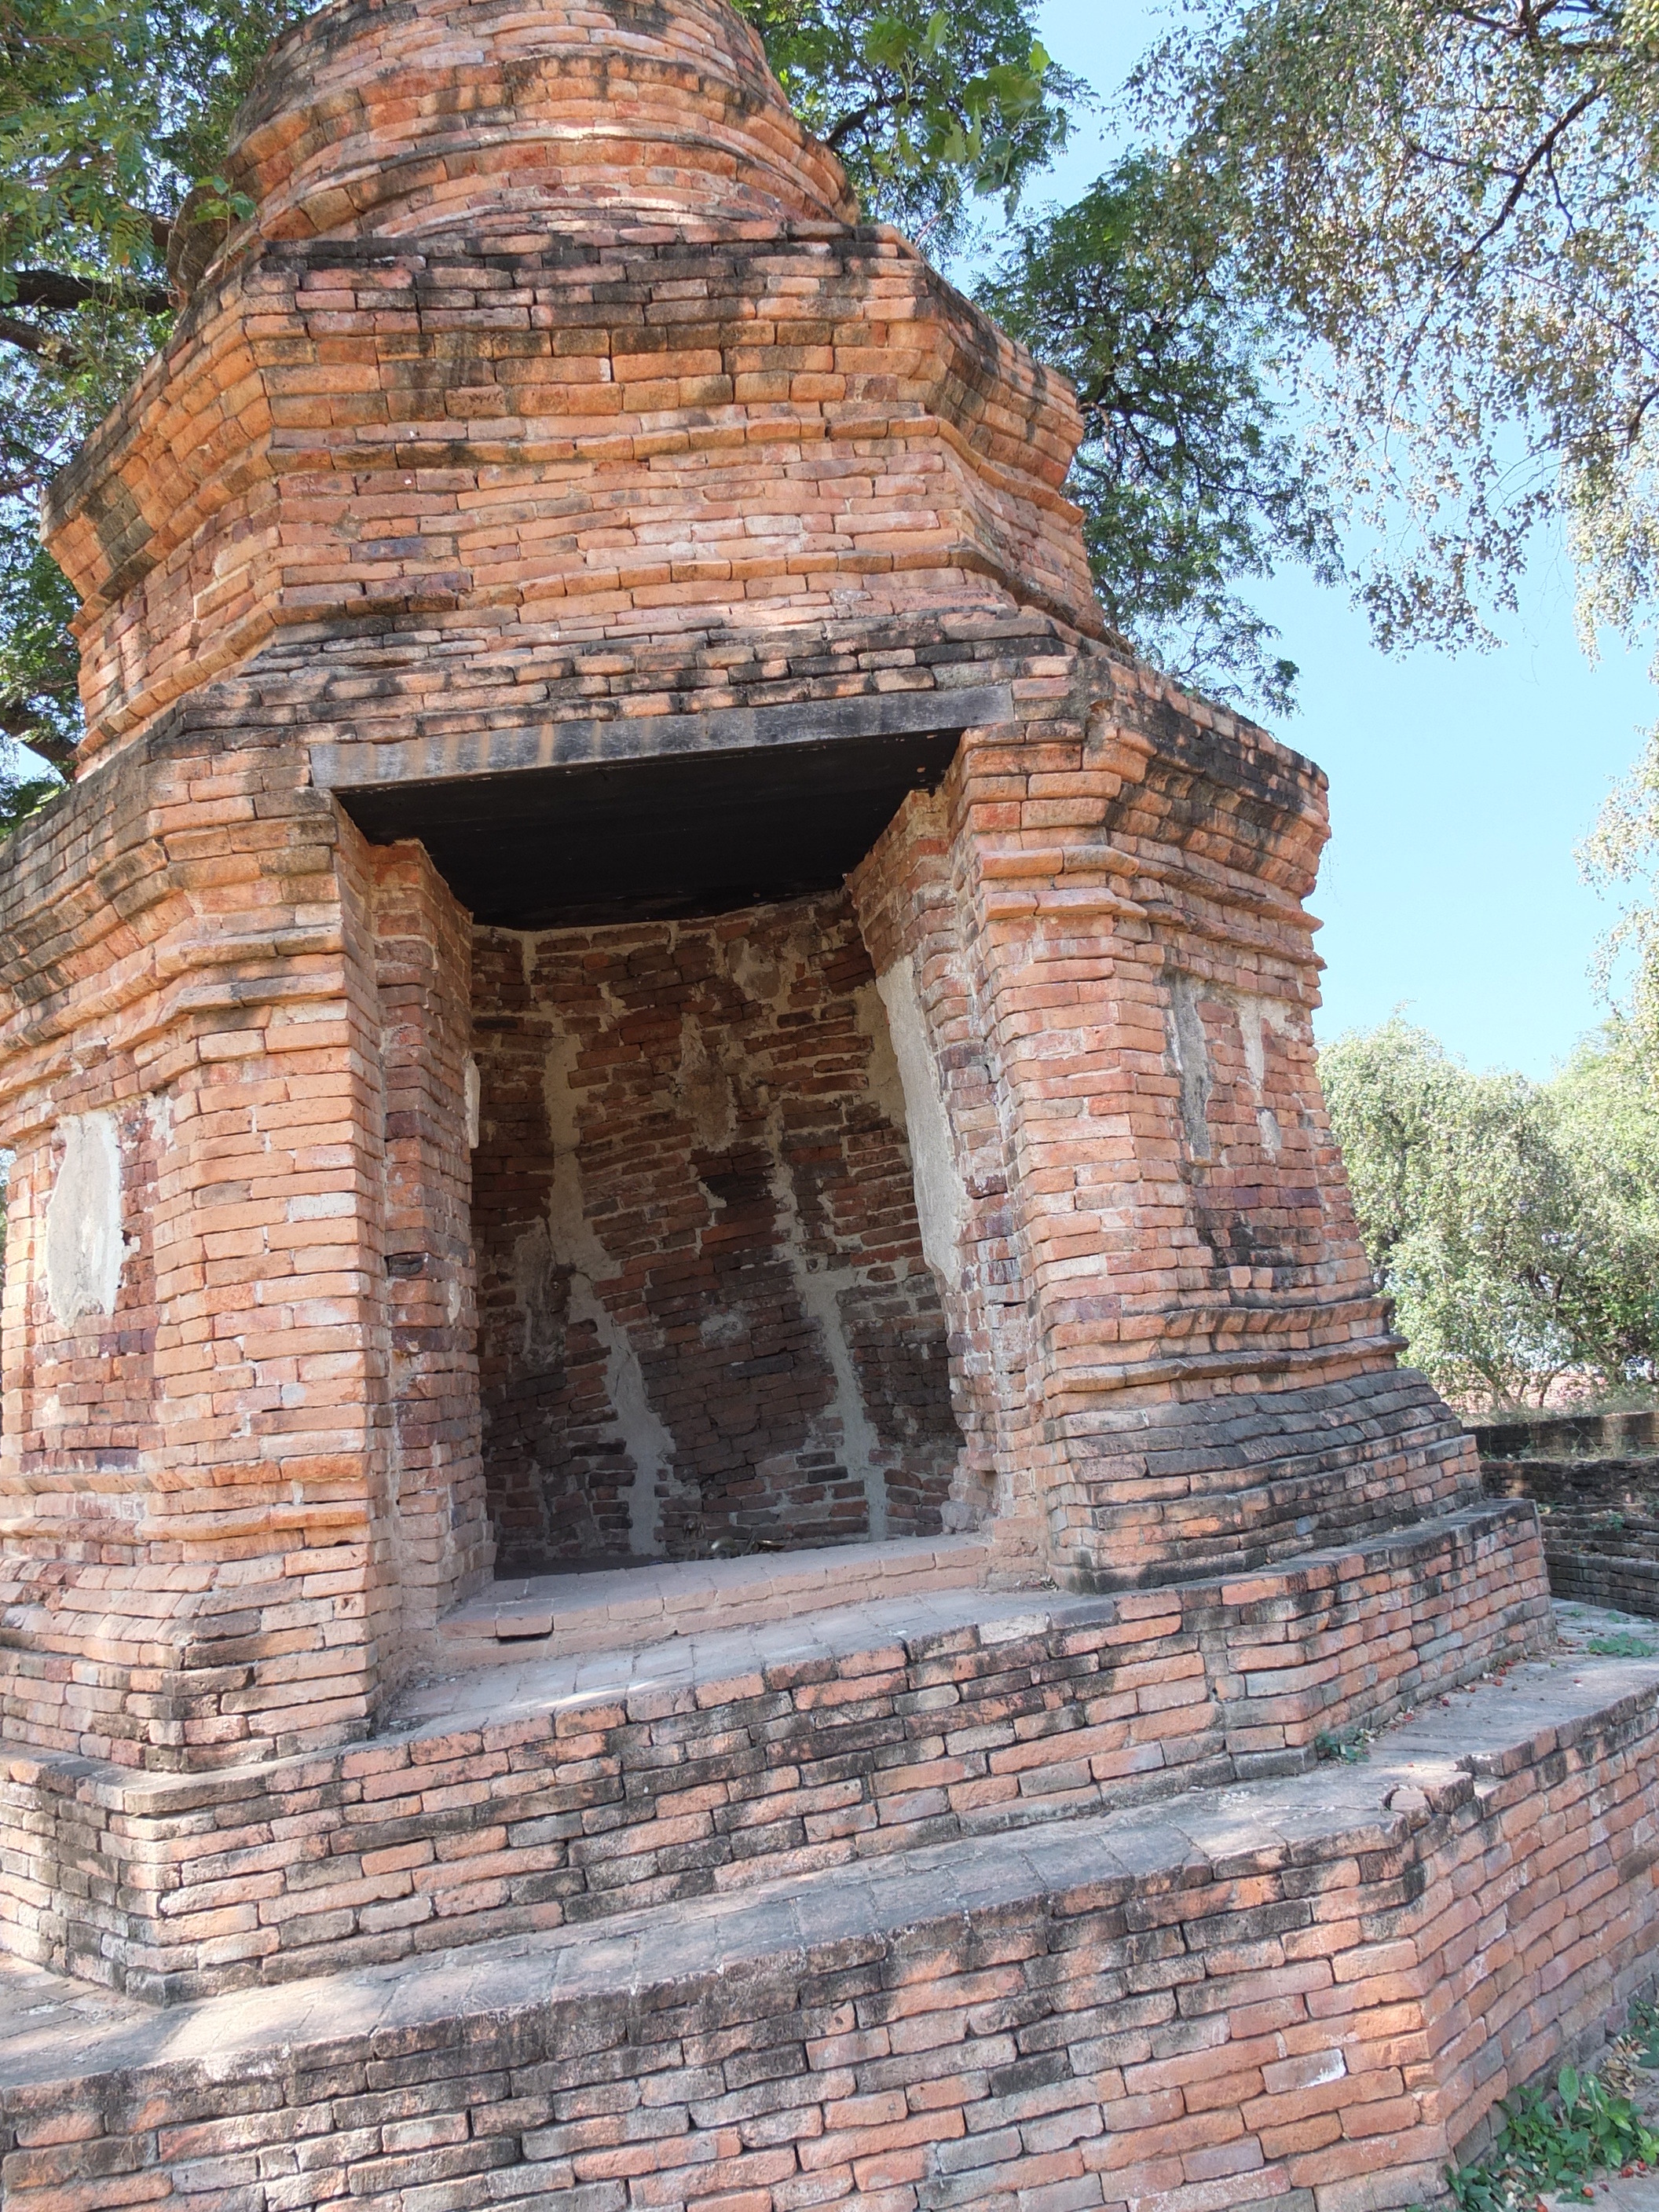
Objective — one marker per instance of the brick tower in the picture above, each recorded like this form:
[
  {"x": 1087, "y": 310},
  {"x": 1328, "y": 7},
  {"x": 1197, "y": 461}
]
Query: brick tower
[{"x": 633, "y": 998}]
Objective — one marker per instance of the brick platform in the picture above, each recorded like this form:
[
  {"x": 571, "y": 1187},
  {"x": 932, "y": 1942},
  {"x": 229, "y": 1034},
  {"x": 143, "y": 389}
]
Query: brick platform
[
  {"x": 1598, "y": 1509},
  {"x": 1303, "y": 1993},
  {"x": 498, "y": 1802}
]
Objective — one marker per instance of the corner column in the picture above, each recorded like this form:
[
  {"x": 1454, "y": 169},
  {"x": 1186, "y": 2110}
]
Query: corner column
[
  {"x": 200, "y": 1467},
  {"x": 1173, "y": 1357}
]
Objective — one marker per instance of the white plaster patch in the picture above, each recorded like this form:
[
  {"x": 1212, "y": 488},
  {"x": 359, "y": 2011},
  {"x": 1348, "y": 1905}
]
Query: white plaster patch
[
  {"x": 704, "y": 1088},
  {"x": 1190, "y": 1051},
  {"x": 472, "y": 1096},
  {"x": 941, "y": 1193},
  {"x": 886, "y": 1083},
  {"x": 575, "y": 1241},
  {"x": 83, "y": 1243},
  {"x": 756, "y": 976},
  {"x": 1258, "y": 1016},
  {"x": 321, "y": 1205}
]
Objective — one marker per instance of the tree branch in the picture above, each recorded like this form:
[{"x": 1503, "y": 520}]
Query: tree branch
[
  {"x": 51, "y": 287},
  {"x": 44, "y": 345},
  {"x": 19, "y": 721},
  {"x": 836, "y": 139},
  {"x": 1540, "y": 155}
]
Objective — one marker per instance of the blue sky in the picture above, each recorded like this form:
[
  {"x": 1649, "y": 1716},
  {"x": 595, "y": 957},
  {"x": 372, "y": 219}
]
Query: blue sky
[{"x": 1460, "y": 785}]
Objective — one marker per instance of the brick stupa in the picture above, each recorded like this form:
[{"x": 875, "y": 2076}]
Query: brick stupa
[{"x": 673, "y": 1253}]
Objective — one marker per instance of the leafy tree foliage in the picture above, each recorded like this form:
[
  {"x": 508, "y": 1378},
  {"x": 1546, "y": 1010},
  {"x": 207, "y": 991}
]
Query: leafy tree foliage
[
  {"x": 1515, "y": 1224},
  {"x": 927, "y": 106},
  {"x": 1449, "y": 209},
  {"x": 1187, "y": 480}
]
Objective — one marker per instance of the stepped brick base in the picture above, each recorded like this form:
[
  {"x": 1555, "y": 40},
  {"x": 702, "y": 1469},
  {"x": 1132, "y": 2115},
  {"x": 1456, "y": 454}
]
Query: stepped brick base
[
  {"x": 1599, "y": 1519},
  {"x": 1305, "y": 1994},
  {"x": 578, "y": 1789}
]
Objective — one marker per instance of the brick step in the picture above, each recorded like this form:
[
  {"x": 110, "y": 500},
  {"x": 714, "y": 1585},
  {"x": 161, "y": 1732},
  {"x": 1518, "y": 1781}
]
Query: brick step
[
  {"x": 569, "y": 1789},
  {"x": 1304, "y": 1993},
  {"x": 1197, "y": 1486},
  {"x": 1624, "y": 1574},
  {"x": 609, "y": 1607}
]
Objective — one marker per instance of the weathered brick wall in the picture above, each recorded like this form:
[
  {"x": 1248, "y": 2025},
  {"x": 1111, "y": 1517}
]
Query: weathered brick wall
[
  {"x": 1174, "y": 1352},
  {"x": 706, "y": 1313},
  {"x": 187, "y": 950},
  {"x": 473, "y": 460},
  {"x": 436, "y": 1514},
  {"x": 201, "y": 1560},
  {"x": 1136, "y": 1402},
  {"x": 708, "y": 135},
  {"x": 1599, "y": 1521},
  {"x": 470, "y": 455},
  {"x": 1313, "y": 2020},
  {"x": 608, "y": 1799}
]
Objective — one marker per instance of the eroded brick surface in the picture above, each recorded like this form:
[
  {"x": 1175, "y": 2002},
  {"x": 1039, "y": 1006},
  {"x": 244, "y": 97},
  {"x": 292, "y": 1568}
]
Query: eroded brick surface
[
  {"x": 706, "y": 1310},
  {"x": 687, "y": 1771},
  {"x": 1600, "y": 1520},
  {"x": 1306, "y": 1997}
]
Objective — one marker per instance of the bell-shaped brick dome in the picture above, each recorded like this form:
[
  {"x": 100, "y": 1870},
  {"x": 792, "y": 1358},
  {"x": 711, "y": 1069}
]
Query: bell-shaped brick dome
[{"x": 386, "y": 118}]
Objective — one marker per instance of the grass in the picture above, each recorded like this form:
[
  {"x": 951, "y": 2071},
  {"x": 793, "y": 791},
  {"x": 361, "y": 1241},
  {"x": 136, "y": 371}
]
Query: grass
[
  {"x": 1349, "y": 1745},
  {"x": 1557, "y": 2140}
]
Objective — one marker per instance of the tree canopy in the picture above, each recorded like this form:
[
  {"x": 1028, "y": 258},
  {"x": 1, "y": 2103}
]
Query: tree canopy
[
  {"x": 1447, "y": 214},
  {"x": 928, "y": 107},
  {"x": 1447, "y": 211},
  {"x": 1515, "y": 1224},
  {"x": 1188, "y": 481}
]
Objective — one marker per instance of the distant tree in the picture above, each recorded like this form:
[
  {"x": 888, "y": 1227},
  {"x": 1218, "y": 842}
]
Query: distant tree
[
  {"x": 1515, "y": 1224},
  {"x": 1603, "y": 1109}
]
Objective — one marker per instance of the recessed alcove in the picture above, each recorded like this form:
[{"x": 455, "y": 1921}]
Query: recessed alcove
[
  {"x": 659, "y": 837},
  {"x": 705, "y": 1324},
  {"x": 705, "y": 1320}
]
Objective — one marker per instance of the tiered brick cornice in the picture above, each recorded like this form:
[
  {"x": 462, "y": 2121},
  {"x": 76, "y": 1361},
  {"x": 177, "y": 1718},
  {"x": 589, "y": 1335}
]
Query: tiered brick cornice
[{"x": 385, "y": 398}]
